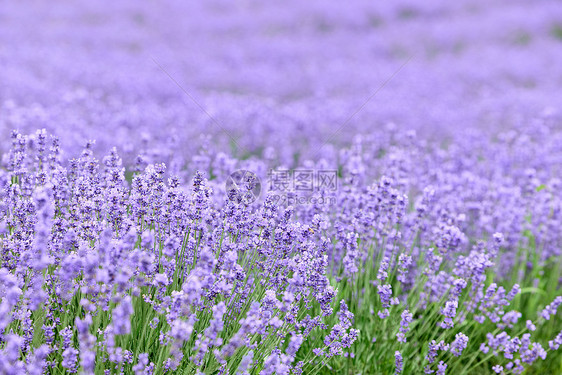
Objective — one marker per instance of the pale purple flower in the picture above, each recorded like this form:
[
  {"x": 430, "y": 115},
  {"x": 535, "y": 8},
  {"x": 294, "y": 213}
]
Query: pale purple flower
[{"x": 459, "y": 344}]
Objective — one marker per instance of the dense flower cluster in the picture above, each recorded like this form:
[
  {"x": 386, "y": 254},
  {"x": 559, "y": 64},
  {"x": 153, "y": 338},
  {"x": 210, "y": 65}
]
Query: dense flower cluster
[
  {"x": 86, "y": 258},
  {"x": 106, "y": 270}
]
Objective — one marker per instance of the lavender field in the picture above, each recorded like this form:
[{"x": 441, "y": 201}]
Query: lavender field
[{"x": 296, "y": 187}]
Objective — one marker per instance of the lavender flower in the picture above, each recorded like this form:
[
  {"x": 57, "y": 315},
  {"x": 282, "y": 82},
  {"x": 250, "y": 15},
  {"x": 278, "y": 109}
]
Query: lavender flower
[
  {"x": 131, "y": 254},
  {"x": 404, "y": 326},
  {"x": 449, "y": 311},
  {"x": 459, "y": 344},
  {"x": 441, "y": 368},
  {"x": 398, "y": 362}
]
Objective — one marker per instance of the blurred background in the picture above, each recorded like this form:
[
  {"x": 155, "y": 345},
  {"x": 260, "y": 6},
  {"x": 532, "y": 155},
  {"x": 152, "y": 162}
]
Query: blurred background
[{"x": 276, "y": 80}]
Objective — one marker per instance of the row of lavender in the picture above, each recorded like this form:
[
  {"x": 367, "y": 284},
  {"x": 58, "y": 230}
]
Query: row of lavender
[
  {"x": 435, "y": 257},
  {"x": 267, "y": 72}
]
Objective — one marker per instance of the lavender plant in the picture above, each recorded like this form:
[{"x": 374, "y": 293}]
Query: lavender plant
[
  {"x": 107, "y": 277},
  {"x": 103, "y": 275}
]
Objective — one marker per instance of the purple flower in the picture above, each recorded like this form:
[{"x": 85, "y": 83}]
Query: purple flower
[
  {"x": 121, "y": 316},
  {"x": 404, "y": 263},
  {"x": 449, "y": 311},
  {"x": 550, "y": 310},
  {"x": 404, "y": 326},
  {"x": 385, "y": 293},
  {"x": 434, "y": 348},
  {"x": 398, "y": 362},
  {"x": 70, "y": 359},
  {"x": 556, "y": 343},
  {"x": 245, "y": 364},
  {"x": 459, "y": 344}
]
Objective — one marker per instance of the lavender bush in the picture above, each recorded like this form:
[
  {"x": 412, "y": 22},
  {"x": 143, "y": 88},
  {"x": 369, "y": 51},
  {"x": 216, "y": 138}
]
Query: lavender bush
[
  {"x": 104, "y": 274},
  {"x": 183, "y": 241}
]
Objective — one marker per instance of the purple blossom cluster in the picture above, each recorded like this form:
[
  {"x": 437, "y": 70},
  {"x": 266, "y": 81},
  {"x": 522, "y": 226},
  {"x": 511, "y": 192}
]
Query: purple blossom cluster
[
  {"x": 91, "y": 253},
  {"x": 276, "y": 77},
  {"x": 81, "y": 242}
]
